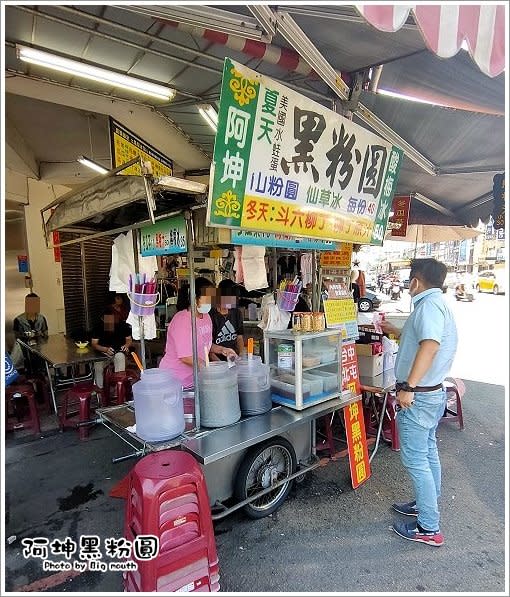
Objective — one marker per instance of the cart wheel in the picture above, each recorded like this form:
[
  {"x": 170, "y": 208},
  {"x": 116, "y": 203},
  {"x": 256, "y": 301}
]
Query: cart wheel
[{"x": 264, "y": 465}]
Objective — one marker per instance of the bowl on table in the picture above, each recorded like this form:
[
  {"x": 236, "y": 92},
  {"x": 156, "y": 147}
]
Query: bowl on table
[{"x": 81, "y": 344}]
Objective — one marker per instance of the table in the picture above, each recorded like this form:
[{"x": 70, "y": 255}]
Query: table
[
  {"x": 59, "y": 351},
  {"x": 384, "y": 383}
]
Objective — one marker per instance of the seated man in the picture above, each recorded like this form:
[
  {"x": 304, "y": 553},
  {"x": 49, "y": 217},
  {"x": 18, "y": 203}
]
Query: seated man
[
  {"x": 29, "y": 324},
  {"x": 114, "y": 340}
]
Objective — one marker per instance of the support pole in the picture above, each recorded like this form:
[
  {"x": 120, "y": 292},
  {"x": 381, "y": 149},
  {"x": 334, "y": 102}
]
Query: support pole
[
  {"x": 140, "y": 317},
  {"x": 188, "y": 217},
  {"x": 275, "y": 268},
  {"x": 315, "y": 283}
]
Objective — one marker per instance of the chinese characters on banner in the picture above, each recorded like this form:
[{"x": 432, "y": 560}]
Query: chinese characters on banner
[
  {"x": 283, "y": 163},
  {"x": 498, "y": 191},
  {"x": 400, "y": 218},
  {"x": 126, "y": 146},
  {"x": 359, "y": 462},
  {"x": 164, "y": 237}
]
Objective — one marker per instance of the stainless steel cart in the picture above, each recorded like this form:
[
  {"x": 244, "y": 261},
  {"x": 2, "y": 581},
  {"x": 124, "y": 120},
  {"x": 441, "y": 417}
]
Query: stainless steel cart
[{"x": 250, "y": 464}]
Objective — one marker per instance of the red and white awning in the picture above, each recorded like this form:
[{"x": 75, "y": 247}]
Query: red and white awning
[{"x": 444, "y": 27}]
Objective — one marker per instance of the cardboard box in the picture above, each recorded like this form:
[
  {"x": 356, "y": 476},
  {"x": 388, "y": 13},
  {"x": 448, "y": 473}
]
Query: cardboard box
[
  {"x": 370, "y": 366},
  {"x": 368, "y": 350}
]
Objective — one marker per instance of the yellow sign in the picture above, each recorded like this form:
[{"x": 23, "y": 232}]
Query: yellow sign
[
  {"x": 341, "y": 258},
  {"x": 126, "y": 146},
  {"x": 339, "y": 312},
  {"x": 269, "y": 215}
]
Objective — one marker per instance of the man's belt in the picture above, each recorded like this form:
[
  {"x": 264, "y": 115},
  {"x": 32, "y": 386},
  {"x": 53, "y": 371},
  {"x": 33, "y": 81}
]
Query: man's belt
[{"x": 405, "y": 386}]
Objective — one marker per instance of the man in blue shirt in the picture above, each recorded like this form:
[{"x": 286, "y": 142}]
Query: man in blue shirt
[{"x": 428, "y": 342}]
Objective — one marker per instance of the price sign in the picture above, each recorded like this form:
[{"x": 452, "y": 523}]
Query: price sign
[
  {"x": 339, "y": 312},
  {"x": 341, "y": 258}
]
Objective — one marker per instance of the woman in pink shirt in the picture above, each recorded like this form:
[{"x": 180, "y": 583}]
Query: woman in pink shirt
[{"x": 178, "y": 358}]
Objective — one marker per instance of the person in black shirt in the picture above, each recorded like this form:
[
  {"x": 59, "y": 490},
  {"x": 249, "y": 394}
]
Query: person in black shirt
[
  {"x": 227, "y": 319},
  {"x": 112, "y": 338}
]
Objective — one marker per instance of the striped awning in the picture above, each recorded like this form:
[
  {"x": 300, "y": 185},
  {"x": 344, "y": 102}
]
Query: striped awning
[{"x": 444, "y": 28}]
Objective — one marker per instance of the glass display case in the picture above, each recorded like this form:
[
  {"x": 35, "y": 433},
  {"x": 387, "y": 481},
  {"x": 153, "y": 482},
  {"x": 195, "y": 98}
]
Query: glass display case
[{"x": 305, "y": 367}]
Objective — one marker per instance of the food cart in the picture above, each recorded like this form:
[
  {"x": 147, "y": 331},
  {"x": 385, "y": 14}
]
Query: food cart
[
  {"x": 259, "y": 187},
  {"x": 231, "y": 455}
]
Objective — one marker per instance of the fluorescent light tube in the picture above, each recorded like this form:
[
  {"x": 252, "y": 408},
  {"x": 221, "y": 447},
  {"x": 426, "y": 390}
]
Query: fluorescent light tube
[
  {"x": 94, "y": 73},
  {"x": 210, "y": 115},
  {"x": 90, "y": 164}
]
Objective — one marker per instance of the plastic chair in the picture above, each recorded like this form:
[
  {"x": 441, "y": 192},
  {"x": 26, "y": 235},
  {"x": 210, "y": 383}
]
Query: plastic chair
[
  {"x": 79, "y": 396},
  {"x": 168, "y": 499},
  {"x": 455, "y": 390},
  {"x": 15, "y": 396},
  {"x": 121, "y": 383}
]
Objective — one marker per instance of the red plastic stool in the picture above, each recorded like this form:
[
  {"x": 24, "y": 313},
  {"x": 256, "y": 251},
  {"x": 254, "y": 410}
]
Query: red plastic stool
[
  {"x": 121, "y": 382},
  {"x": 455, "y": 389},
  {"x": 14, "y": 395},
  {"x": 168, "y": 499},
  {"x": 78, "y": 395}
]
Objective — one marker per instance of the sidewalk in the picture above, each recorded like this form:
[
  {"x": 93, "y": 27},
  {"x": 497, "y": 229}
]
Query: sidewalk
[{"x": 326, "y": 537}]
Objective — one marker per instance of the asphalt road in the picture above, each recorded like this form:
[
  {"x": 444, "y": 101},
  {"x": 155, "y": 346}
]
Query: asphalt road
[{"x": 326, "y": 537}]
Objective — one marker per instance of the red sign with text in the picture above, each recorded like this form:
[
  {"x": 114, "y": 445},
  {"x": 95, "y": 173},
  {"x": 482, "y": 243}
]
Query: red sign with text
[
  {"x": 401, "y": 207},
  {"x": 56, "y": 250},
  {"x": 350, "y": 375},
  {"x": 359, "y": 462}
]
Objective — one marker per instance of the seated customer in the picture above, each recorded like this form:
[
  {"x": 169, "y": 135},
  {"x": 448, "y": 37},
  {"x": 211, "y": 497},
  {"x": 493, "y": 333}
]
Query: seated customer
[
  {"x": 114, "y": 340},
  {"x": 178, "y": 357},
  {"x": 29, "y": 324},
  {"x": 227, "y": 320}
]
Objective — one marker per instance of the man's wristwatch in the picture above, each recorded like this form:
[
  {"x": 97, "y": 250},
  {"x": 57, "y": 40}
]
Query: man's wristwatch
[{"x": 405, "y": 387}]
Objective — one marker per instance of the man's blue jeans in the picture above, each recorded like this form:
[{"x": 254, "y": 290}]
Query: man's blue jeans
[{"x": 418, "y": 450}]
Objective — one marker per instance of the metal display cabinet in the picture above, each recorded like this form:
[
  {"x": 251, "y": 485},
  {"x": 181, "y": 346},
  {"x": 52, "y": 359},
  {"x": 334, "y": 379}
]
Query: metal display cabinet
[{"x": 304, "y": 367}]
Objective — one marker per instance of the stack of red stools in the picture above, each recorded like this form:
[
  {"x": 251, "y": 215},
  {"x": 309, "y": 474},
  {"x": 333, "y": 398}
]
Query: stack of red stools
[{"x": 168, "y": 498}]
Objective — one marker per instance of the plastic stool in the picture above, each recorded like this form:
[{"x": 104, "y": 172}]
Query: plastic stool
[
  {"x": 121, "y": 382},
  {"x": 13, "y": 395},
  {"x": 455, "y": 389},
  {"x": 168, "y": 498},
  {"x": 79, "y": 395}
]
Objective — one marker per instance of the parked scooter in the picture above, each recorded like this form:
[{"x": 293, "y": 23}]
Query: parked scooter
[{"x": 461, "y": 294}]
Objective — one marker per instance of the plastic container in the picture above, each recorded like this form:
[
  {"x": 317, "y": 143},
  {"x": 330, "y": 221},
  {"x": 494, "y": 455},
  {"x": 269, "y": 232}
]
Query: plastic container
[
  {"x": 329, "y": 379},
  {"x": 159, "y": 409},
  {"x": 254, "y": 386},
  {"x": 219, "y": 395},
  {"x": 287, "y": 301},
  {"x": 143, "y": 304}
]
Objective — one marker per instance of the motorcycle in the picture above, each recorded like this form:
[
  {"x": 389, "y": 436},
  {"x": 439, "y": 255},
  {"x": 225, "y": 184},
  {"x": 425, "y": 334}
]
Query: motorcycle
[
  {"x": 395, "y": 292},
  {"x": 461, "y": 294}
]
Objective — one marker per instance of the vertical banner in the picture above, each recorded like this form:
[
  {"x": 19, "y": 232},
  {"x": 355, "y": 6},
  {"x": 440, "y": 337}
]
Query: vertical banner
[
  {"x": 286, "y": 164},
  {"x": 498, "y": 191},
  {"x": 398, "y": 221},
  {"x": 350, "y": 375},
  {"x": 359, "y": 462},
  {"x": 56, "y": 250}
]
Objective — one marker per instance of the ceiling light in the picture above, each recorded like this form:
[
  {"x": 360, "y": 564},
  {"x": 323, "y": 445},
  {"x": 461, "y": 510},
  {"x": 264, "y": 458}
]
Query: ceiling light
[
  {"x": 408, "y": 98},
  {"x": 90, "y": 164},
  {"x": 209, "y": 114},
  {"x": 94, "y": 73}
]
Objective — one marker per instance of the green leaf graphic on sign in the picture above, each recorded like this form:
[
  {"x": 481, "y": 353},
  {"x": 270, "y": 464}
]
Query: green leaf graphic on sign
[{"x": 236, "y": 120}]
